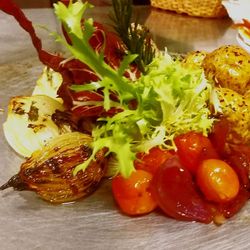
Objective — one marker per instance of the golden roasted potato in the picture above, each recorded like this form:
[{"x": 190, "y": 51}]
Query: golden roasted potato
[
  {"x": 229, "y": 67},
  {"x": 194, "y": 59},
  {"x": 247, "y": 94},
  {"x": 236, "y": 108}
]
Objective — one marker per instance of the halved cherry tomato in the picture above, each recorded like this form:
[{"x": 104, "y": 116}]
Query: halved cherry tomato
[
  {"x": 153, "y": 160},
  {"x": 177, "y": 195},
  {"x": 217, "y": 180},
  {"x": 133, "y": 194},
  {"x": 193, "y": 148}
]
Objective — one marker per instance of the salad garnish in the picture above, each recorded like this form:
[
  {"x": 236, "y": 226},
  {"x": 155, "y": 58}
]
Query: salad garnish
[
  {"x": 135, "y": 37},
  {"x": 170, "y": 99}
]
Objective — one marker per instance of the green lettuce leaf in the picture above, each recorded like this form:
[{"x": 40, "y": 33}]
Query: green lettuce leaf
[{"x": 171, "y": 99}]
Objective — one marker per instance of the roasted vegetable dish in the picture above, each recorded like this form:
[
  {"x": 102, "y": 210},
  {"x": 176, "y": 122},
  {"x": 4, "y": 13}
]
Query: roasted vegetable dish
[{"x": 168, "y": 133}]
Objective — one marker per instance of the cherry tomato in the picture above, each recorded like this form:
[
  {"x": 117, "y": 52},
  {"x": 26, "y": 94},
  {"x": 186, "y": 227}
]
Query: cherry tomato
[
  {"x": 192, "y": 148},
  {"x": 217, "y": 180},
  {"x": 153, "y": 160},
  {"x": 133, "y": 194},
  {"x": 176, "y": 193}
]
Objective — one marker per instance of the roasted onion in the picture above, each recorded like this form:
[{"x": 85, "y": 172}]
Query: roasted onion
[
  {"x": 29, "y": 125},
  {"x": 49, "y": 171}
]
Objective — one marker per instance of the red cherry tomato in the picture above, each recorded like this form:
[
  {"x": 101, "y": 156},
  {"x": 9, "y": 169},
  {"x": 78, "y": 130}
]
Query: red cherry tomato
[
  {"x": 153, "y": 160},
  {"x": 176, "y": 193},
  {"x": 133, "y": 194},
  {"x": 192, "y": 148},
  {"x": 217, "y": 180}
]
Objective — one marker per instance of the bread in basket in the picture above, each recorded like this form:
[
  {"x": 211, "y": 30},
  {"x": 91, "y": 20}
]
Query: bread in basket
[{"x": 204, "y": 8}]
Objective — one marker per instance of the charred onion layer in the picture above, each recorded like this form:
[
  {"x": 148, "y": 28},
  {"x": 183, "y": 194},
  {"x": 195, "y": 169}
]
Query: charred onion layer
[{"x": 49, "y": 171}]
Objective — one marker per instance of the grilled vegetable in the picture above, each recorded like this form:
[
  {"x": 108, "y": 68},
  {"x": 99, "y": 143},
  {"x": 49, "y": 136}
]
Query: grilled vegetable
[
  {"x": 49, "y": 171},
  {"x": 236, "y": 108},
  {"x": 229, "y": 67},
  {"x": 194, "y": 59},
  {"x": 48, "y": 84},
  {"x": 29, "y": 125}
]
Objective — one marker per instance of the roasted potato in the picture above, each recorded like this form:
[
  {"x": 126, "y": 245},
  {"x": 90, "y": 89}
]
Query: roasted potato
[
  {"x": 194, "y": 59},
  {"x": 236, "y": 108},
  {"x": 247, "y": 94},
  {"x": 229, "y": 67}
]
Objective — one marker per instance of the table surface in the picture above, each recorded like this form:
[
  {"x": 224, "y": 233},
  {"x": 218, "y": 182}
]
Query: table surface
[{"x": 94, "y": 223}]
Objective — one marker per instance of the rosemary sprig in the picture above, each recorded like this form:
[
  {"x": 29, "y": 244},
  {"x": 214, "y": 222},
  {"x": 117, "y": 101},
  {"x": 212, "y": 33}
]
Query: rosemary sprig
[{"x": 136, "y": 37}]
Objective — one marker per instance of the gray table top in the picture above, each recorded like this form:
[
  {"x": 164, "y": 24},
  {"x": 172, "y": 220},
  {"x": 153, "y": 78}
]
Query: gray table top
[{"x": 94, "y": 223}]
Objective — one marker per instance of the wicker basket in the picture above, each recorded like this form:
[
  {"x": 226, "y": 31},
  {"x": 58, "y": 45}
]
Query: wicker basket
[{"x": 205, "y": 8}]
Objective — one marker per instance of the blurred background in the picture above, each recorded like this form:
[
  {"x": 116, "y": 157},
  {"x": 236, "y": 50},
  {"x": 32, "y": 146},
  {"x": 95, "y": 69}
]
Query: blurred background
[
  {"x": 34, "y": 4},
  {"x": 180, "y": 33},
  {"x": 49, "y": 3}
]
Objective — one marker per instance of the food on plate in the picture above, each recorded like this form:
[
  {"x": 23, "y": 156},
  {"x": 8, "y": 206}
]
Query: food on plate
[
  {"x": 133, "y": 194},
  {"x": 159, "y": 128},
  {"x": 229, "y": 67},
  {"x": 193, "y": 148},
  {"x": 217, "y": 180},
  {"x": 194, "y": 58},
  {"x": 49, "y": 171},
  {"x": 177, "y": 195},
  {"x": 33, "y": 114},
  {"x": 48, "y": 84},
  {"x": 235, "y": 107}
]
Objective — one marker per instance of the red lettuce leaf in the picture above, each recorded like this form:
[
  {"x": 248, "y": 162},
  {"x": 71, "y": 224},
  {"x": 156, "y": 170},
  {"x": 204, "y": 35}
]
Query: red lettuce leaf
[{"x": 73, "y": 71}]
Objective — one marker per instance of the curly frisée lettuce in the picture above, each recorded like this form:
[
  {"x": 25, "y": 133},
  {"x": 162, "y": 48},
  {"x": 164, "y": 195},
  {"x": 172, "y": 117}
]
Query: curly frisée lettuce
[{"x": 170, "y": 99}]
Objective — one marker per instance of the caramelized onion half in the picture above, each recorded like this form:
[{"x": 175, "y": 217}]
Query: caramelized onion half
[{"x": 49, "y": 171}]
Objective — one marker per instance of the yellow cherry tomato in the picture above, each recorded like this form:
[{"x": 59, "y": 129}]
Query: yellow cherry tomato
[{"x": 217, "y": 180}]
